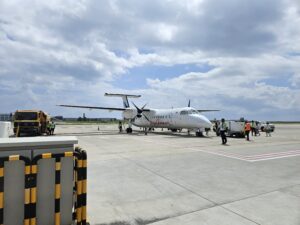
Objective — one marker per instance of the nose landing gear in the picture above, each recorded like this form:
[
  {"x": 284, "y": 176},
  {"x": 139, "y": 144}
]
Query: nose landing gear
[
  {"x": 129, "y": 130},
  {"x": 199, "y": 134}
]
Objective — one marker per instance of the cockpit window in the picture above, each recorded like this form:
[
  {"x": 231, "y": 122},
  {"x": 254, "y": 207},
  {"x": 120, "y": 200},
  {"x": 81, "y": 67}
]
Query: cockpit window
[
  {"x": 191, "y": 111},
  {"x": 183, "y": 112}
]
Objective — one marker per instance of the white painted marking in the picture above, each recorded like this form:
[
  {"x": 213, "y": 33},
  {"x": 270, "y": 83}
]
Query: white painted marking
[{"x": 255, "y": 158}]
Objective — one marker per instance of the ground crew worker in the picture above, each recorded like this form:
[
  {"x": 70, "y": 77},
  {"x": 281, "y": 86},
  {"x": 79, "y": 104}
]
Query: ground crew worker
[
  {"x": 257, "y": 128},
  {"x": 52, "y": 126},
  {"x": 48, "y": 128},
  {"x": 247, "y": 129},
  {"x": 223, "y": 129},
  {"x": 120, "y": 126},
  {"x": 253, "y": 125},
  {"x": 215, "y": 127}
]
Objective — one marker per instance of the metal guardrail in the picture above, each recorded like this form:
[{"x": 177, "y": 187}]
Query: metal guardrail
[{"x": 30, "y": 190}]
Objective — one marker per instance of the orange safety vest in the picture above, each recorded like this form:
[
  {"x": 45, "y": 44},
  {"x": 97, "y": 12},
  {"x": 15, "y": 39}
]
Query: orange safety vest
[{"x": 247, "y": 127}]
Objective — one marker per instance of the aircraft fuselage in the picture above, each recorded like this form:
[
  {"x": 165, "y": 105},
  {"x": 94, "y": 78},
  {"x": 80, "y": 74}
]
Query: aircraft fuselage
[{"x": 177, "y": 118}]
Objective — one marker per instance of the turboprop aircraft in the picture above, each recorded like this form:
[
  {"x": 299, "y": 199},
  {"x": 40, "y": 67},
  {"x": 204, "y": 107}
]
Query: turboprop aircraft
[{"x": 173, "y": 119}]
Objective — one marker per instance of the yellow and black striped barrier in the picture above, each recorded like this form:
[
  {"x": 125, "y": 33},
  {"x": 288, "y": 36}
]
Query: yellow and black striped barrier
[
  {"x": 78, "y": 188},
  {"x": 84, "y": 187},
  {"x": 79, "y": 173},
  {"x": 81, "y": 187},
  {"x": 27, "y": 163},
  {"x": 30, "y": 189}
]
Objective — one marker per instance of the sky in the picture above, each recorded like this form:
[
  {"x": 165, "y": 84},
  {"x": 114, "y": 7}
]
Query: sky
[{"x": 239, "y": 56}]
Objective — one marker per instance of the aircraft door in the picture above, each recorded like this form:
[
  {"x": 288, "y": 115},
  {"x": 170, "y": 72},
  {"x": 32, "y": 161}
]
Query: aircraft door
[
  {"x": 175, "y": 119},
  {"x": 170, "y": 120}
]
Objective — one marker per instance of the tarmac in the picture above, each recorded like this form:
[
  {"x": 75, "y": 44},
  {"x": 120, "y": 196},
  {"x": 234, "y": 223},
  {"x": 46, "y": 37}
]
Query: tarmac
[{"x": 166, "y": 178}]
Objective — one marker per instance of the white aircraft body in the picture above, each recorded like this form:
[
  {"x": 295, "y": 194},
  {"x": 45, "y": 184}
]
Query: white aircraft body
[{"x": 173, "y": 119}]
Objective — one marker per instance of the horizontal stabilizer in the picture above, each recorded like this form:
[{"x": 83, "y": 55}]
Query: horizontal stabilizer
[
  {"x": 121, "y": 95},
  {"x": 208, "y": 110},
  {"x": 124, "y": 98}
]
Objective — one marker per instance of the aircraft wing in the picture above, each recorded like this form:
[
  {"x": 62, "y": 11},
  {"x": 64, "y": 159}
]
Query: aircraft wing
[
  {"x": 93, "y": 107},
  {"x": 208, "y": 110}
]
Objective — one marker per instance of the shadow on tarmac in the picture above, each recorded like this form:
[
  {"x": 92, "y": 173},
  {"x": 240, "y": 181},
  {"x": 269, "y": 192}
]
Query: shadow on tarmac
[{"x": 135, "y": 133}]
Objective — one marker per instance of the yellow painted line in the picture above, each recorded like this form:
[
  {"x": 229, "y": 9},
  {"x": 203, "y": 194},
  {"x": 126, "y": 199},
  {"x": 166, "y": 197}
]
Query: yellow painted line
[
  {"x": 27, "y": 170},
  {"x": 68, "y": 154},
  {"x": 78, "y": 214},
  {"x": 79, "y": 187},
  {"x": 14, "y": 157},
  {"x": 84, "y": 186},
  {"x": 57, "y": 191},
  {"x": 79, "y": 163},
  {"x": 1, "y": 200},
  {"x": 83, "y": 212},
  {"x": 33, "y": 195},
  {"x": 57, "y": 218},
  {"x": 46, "y": 155},
  {"x": 26, "y": 222},
  {"x": 33, "y": 221},
  {"x": 27, "y": 196},
  {"x": 34, "y": 169},
  {"x": 57, "y": 166}
]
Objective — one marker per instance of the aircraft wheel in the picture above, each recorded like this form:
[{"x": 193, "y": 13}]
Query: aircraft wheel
[
  {"x": 129, "y": 130},
  {"x": 199, "y": 134}
]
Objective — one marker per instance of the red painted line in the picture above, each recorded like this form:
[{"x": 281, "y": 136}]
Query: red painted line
[
  {"x": 275, "y": 157},
  {"x": 272, "y": 155},
  {"x": 254, "y": 158}
]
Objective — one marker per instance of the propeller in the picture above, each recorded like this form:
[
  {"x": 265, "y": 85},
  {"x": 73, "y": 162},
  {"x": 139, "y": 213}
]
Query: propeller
[{"x": 140, "y": 111}]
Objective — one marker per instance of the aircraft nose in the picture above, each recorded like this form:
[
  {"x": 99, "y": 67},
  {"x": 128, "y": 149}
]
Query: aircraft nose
[{"x": 205, "y": 122}]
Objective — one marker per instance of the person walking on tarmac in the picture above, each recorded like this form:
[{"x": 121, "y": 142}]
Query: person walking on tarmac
[
  {"x": 216, "y": 127},
  {"x": 223, "y": 129},
  {"x": 253, "y": 125},
  {"x": 257, "y": 128},
  {"x": 52, "y": 126},
  {"x": 120, "y": 126},
  {"x": 247, "y": 129},
  {"x": 48, "y": 128}
]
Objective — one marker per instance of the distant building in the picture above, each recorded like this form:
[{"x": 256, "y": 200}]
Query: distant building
[
  {"x": 5, "y": 117},
  {"x": 59, "y": 117}
]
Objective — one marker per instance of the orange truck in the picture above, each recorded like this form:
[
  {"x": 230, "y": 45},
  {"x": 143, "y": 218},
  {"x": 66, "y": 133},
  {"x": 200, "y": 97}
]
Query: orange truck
[{"x": 30, "y": 122}]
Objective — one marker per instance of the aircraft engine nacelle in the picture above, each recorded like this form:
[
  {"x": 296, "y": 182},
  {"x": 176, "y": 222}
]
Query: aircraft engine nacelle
[{"x": 129, "y": 113}]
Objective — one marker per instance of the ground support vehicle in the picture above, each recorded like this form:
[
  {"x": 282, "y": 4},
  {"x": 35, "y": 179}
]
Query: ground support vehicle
[
  {"x": 262, "y": 126},
  {"x": 30, "y": 122},
  {"x": 235, "y": 128}
]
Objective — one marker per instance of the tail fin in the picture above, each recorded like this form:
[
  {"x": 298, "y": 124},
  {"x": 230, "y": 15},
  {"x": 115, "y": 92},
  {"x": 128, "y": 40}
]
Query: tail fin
[{"x": 124, "y": 98}]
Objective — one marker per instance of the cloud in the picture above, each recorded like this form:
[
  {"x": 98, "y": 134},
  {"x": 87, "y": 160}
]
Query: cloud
[{"x": 76, "y": 51}]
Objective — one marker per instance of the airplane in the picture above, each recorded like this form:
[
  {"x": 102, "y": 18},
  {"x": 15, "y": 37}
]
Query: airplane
[{"x": 173, "y": 119}]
